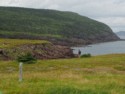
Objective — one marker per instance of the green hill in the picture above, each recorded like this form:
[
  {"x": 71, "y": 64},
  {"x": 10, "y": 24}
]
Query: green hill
[{"x": 56, "y": 26}]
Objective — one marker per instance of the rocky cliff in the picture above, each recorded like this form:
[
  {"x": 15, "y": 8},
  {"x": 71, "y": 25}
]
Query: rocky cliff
[{"x": 39, "y": 51}]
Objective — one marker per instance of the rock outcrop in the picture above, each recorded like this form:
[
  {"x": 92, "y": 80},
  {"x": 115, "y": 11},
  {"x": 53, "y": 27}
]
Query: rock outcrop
[{"x": 40, "y": 51}]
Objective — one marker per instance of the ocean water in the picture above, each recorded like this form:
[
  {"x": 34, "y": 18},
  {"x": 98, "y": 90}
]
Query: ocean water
[{"x": 102, "y": 48}]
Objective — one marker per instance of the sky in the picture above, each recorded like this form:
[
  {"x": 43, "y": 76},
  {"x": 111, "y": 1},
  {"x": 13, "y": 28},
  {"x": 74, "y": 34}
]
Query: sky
[{"x": 110, "y": 12}]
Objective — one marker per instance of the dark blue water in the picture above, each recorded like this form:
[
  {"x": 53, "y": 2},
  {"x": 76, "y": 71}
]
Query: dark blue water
[{"x": 102, "y": 48}]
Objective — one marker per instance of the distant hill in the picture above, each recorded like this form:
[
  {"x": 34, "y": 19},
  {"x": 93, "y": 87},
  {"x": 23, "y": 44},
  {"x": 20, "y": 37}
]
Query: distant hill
[
  {"x": 121, "y": 34},
  {"x": 66, "y": 28}
]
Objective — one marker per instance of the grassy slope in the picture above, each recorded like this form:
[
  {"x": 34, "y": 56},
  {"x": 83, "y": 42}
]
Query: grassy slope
[
  {"x": 8, "y": 43},
  {"x": 16, "y": 22},
  {"x": 96, "y": 75}
]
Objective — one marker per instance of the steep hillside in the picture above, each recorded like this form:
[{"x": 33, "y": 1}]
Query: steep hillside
[{"x": 57, "y": 26}]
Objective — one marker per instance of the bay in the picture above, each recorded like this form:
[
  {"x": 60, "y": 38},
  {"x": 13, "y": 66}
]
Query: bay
[{"x": 115, "y": 47}]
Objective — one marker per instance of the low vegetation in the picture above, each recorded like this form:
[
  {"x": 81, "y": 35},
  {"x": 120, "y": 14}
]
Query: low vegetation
[
  {"x": 95, "y": 75},
  {"x": 27, "y": 58},
  {"x": 86, "y": 55}
]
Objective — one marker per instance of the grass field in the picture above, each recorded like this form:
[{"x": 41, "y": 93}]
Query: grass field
[
  {"x": 8, "y": 43},
  {"x": 95, "y": 75}
]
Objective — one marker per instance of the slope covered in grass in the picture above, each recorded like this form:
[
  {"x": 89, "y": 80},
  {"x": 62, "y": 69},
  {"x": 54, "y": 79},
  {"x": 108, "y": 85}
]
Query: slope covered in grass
[
  {"x": 47, "y": 24},
  {"x": 95, "y": 75},
  {"x": 10, "y": 43}
]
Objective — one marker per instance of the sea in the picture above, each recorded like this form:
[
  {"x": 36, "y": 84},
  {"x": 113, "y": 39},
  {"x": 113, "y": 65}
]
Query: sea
[{"x": 115, "y": 47}]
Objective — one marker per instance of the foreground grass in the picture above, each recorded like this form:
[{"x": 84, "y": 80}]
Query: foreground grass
[
  {"x": 8, "y": 43},
  {"x": 96, "y": 75}
]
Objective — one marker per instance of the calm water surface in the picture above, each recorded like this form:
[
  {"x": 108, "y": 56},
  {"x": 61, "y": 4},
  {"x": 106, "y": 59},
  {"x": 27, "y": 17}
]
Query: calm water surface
[{"x": 102, "y": 48}]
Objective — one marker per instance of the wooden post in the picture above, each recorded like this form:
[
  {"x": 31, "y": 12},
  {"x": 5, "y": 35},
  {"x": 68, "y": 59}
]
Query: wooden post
[{"x": 20, "y": 72}]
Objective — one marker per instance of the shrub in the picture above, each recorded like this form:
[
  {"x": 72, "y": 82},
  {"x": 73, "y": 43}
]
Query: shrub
[
  {"x": 86, "y": 55},
  {"x": 27, "y": 58}
]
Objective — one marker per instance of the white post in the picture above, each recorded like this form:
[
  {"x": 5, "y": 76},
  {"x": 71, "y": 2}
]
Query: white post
[{"x": 20, "y": 72}]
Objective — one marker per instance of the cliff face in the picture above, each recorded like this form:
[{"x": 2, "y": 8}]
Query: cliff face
[
  {"x": 65, "y": 28},
  {"x": 40, "y": 51}
]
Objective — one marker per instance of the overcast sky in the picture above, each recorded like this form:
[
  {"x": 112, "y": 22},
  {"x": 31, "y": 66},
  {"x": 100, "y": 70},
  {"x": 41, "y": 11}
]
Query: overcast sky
[{"x": 111, "y": 12}]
